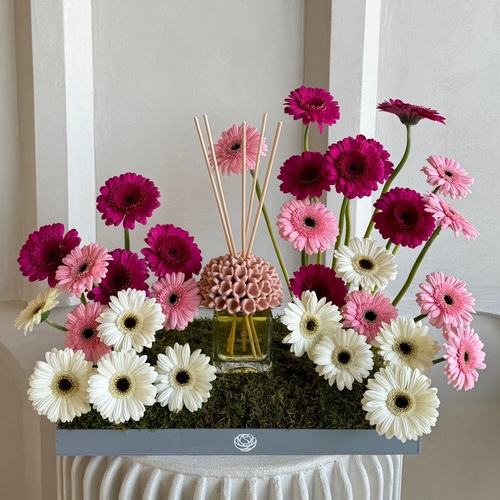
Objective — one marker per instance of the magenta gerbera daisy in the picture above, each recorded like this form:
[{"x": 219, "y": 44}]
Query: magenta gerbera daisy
[
  {"x": 464, "y": 357},
  {"x": 366, "y": 312},
  {"x": 128, "y": 198},
  {"x": 312, "y": 105},
  {"x": 179, "y": 300},
  {"x": 306, "y": 175},
  {"x": 82, "y": 268},
  {"x": 446, "y": 175},
  {"x": 320, "y": 279},
  {"x": 409, "y": 114},
  {"x": 44, "y": 251},
  {"x": 82, "y": 332},
  {"x": 358, "y": 166},
  {"x": 171, "y": 249},
  {"x": 125, "y": 270},
  {"x": 447, "y": 216},
  {"x": 402, "y": 218},
  {"x": 309, "y": 226},
  {"x": 445, "y": 301},
  {"x": 229, "y": 149}
]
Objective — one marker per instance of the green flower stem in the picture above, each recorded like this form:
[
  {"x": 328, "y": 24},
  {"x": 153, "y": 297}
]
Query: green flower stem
[
  {"x": 304, "y": 258},
  {"x": 271, "y": 234},
  {"x": 319, "y": 258},
  {"x": 438, "y": 360},
  {"x": 387, "y": 185},
  {"x": 306, "y": 137},
  {"x": 416, "y": 265},
  {"x": 83, "y": 299},
  {"x": 395, "y": 249},
  {"x": 347, "y": 215},
  {"x": 127, "y": 238},
  {"x": 55, "y": 325},
  {"x": 341, "y": 229},
  {"x": 420, "y": 317}
]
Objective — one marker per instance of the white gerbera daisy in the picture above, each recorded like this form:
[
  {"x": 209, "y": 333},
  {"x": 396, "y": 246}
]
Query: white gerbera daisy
[
  {"x": 343, "y": 357},
  {"x": 406, "y": 343},
  {"x": 123, "y": 386},
  {"x": 58, "y": 387},
  {"x": 399, "y": 403},
  {"x": 308, "y": 319},
  {"x": 37, "y": 310},
  {"x": 130, "y": 321},
  {"x": 363, "y": 263},
  {"x": 183, "y": 378}
]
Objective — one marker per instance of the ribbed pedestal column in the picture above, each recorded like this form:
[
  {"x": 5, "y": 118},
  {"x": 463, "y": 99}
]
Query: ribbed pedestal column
[{"x": 342, "y": 477}]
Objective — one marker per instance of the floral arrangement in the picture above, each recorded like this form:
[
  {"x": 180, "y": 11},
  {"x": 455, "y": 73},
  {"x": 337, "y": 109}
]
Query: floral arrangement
[{"x": 338, "y": 316}]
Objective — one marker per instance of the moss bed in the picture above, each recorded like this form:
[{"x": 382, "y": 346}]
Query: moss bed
[{"x": 290, "y": 396}]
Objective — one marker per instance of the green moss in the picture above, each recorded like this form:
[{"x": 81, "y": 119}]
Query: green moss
[{"x": 290, "y": 396}]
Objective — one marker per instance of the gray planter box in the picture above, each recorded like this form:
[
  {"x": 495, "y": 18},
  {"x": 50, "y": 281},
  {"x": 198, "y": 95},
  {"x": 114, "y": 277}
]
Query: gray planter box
[{"x": 89, "y": 442}]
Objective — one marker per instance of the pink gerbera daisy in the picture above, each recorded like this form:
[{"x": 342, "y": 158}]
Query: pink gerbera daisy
[
  {"x": 312, "y": 105},
  {"x": 228, "y": 149},
  {"x": 409, "y": 114},
  {"x": 322, "y": 280},
  {"x": 446, "y": 175},
  {"x": 171, "y": 249},
  {"x": 445, "y": 300},
  {"x": 44, "y": 251},
  {"x": 82, "y": 332},
  {"x": 125, "y": 270},
  {"x": 179, "y": 300},
  {"x": 366, "y": 312},
  {"x": 358, "y": 165},
  {"x": 402, "y": 218},
  {"x": 464, "y": 357},
  {"x": 83, "y": 267},
  {"x": 129, "y": 198},
  {"x": 447, "y": 216},
  {"x": 309, "y": 226},
  {"x": 306, "y": 175}
]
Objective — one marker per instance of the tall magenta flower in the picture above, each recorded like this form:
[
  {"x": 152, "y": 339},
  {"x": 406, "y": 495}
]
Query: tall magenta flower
[
  {"x": 447, "y": 176},
  {"x": 322, "y": 280},
  {"x": 312, "y": 105},
  {"x": 44, "y": 251},
  {"x": 229, "y": 149},
  {"x": 464, "y": 357},
  {"x": 125, "y": 270},
  {"x": 171, "y": 249},
  {"x": 448, "y": 217},
  {"x": 127, "y": 199},
  {"x": 402, "y": 218},
  {"x": 306, "y": 175},
  {"x": 409, "y": 114},
  {"x": 358, "y": 165},
  {"x": 309, "y": 226}
]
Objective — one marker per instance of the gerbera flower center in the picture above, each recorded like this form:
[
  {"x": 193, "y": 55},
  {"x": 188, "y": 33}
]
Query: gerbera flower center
[
  {"x": 405, "y": 217},
  {"x": 466, "y": 357},
  {"x": 352, "y": 166},
  {"x": 365, "y": 265},
  {"x": 309, "y": 176},
  {"x": 309, "y": 326},
  {"x": 173, "y": 299},
  {"x": 173, "y": 251},
  {"x": 121, "y": 385},
  {"x": 448, "y": 173},
  {"x": 400, "y": 402},
  {"x": 182, "y": 377},
  {"x": 88, "y": 333},
  {"x": 236, "y": 146},
  {"x": 342, "y": 357},
  {"x": 129, "y": 322},
  {"x": 448, "y": 299},
  {"x": 370, "y": 316},
  {"x": 83, "y": 267},
  {"x": 310, "y": 222},
  {"x": 405, "y": 349},
  {"x": 64, "y": 384}
]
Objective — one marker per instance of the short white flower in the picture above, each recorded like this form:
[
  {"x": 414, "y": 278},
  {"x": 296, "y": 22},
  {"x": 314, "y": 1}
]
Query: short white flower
[
  {"x": 363, "y": 263},
  {"x": 37, "y": 310},
  {"x": 343, "y": 357},
  {"x": 399, "y": 403},
  {"x": 308, "y": 320},
  {"x": 183, "y": 378},
  {"x": 123, "y": 386},
  {"x": 58, "y": 387},
  {"x": 130, "y": 321},
  {"x": 406, "y": 343}
]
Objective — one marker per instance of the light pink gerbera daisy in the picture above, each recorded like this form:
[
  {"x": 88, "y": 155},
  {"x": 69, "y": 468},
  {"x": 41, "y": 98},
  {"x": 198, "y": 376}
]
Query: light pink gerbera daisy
[
  {"x": 447, "y": 216},
  {"x": 446, "y": 175},
  {"x": 179, "y": 300},
  {"x": 366, "y": 312},
  {"x": 82, "y": 332},
  {"x": 445, "y": 300},
  {"x": 309, "y": 226},
  {"x": 228, "y": 149},
  {"x": 83, "y": 267},
  {"x": 464, "y": 357}
]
